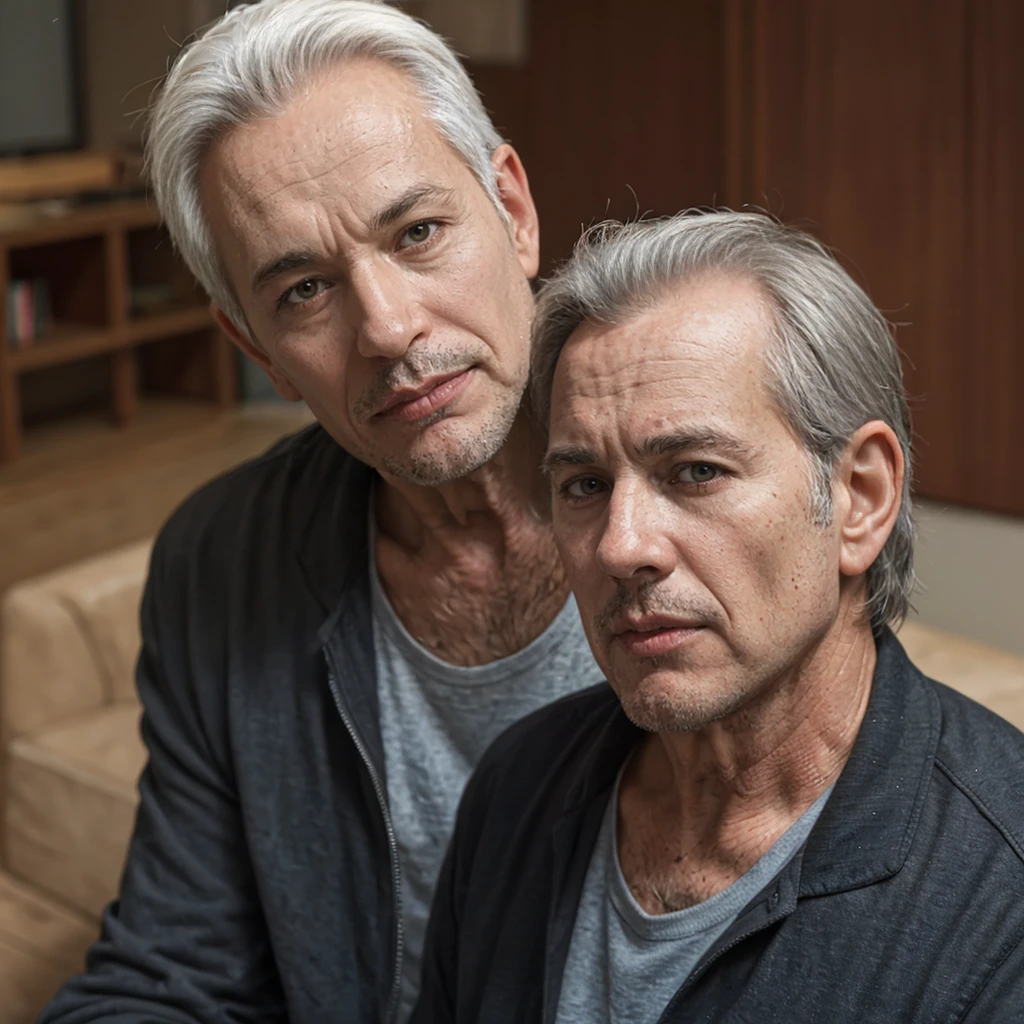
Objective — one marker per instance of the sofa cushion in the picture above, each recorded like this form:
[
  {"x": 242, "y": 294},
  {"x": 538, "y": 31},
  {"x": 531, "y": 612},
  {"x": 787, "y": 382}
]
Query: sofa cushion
[
  {"x": 71, "y": 798},
  {"x": 991, "y": 677},
  {"x": 70, "y": 640}
]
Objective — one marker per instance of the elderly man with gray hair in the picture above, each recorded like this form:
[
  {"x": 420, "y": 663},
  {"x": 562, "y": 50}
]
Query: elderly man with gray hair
[
  {"x": 770, "y": 814},
  {"x": 333, "y": 633}
]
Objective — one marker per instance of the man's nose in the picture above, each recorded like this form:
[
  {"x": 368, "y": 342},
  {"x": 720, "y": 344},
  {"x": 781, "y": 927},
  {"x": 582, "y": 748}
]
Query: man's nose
[
  {"x": 386, "y": 309},
  {"x": 635, "y": 539}
]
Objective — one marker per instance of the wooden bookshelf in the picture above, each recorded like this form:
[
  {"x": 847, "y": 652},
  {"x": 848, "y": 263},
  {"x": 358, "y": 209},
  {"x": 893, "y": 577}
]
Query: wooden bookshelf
[{"x": 118, "y": 292}]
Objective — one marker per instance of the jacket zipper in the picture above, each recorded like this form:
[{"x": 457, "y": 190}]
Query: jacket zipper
[
  {"x": 717, "y": 955},
  {"x": 396, "y": 878}
]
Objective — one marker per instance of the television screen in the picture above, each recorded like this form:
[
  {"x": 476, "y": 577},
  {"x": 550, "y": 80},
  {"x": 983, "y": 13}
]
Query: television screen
[{"x": 38, "y": 109}]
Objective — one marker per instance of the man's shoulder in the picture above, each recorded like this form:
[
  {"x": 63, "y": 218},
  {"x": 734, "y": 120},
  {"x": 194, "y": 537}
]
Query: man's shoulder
[
  {"x": 577, "y": 715},
  {"x": 552, "y": 748},
  {"x": 259, "y": 502},
  {"x": 982, "y": 755}
]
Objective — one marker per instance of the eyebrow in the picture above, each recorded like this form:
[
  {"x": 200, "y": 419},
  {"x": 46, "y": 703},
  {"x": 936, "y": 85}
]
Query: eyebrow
[
  {"x": 566, "y": 456},
  {"x": 715, "y": 441},
  {"x": 296, "y": 259},
  {"x": 407, "y": 201},
  {"x": 707, "y": 439}
]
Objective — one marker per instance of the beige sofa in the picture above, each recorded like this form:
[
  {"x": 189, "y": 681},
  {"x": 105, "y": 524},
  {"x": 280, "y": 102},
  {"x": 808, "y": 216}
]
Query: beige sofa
[{"x": 70, "y": 725}]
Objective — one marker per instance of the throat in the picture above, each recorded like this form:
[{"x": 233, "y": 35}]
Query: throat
[{"x": 478, "y": 603}]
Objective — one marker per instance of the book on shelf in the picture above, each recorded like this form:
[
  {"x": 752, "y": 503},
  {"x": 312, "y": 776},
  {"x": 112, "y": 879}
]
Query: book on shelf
[{"x": 26, "y": 312}]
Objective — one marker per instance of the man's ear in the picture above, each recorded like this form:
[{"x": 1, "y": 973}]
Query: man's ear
[
  {"x": 282, "y": 385},
  {"x": 514, "y": 190},
  {"x": 869, "y": 491}
]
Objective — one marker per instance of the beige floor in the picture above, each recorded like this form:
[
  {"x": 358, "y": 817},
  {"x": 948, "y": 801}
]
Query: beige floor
[{"x": 83, "y": 487}]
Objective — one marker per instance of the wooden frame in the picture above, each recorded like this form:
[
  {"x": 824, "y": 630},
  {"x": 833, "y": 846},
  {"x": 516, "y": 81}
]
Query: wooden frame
[{"x": 93, "y": 314}]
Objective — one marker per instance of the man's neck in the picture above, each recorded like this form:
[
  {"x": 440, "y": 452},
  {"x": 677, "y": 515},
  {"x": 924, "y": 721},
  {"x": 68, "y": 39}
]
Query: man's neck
[
  {"x": 719, "y": 798},
  {"x": 497, "y": 498},
  {"x": 470, "y": 567}
]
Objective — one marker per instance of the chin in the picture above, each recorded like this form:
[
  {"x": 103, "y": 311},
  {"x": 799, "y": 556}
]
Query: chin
[
  {"x": 447, "y": 454},
  {"x": 451, "y": 447},
  {"x": 664, "y": 702}
]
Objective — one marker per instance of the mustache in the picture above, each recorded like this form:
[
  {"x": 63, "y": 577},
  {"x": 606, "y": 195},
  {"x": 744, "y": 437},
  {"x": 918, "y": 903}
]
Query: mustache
[
  {"x": 409, "y": 371},
  {"x": 651, "y": 598}
]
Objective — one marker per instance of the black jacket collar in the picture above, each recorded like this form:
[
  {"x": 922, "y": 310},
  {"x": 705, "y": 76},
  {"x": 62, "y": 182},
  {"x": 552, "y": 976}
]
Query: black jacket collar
[
  {"x": 865, "y": 830},
  {"x": 332, "y": 543}
]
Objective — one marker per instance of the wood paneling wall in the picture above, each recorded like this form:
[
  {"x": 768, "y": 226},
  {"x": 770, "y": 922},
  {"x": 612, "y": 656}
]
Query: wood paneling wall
[
  {"x": 617, "y": 110},
  {"x": 995, "y": 327},
  {"x": 126, "y": 47},
  {"x": 892, "y": 129}
]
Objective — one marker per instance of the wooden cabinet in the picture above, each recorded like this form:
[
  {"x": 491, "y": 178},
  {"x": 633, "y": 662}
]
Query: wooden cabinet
[
  {"x": 994, "y": 333},
  {"x": 116, "y": 290}
]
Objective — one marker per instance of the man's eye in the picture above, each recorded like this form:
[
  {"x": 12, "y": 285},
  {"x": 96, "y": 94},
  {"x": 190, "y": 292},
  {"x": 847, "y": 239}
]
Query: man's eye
[
  {"x": 583, "y": 487},
  {"x": 304, "y": 291},
  {"x": 699, "y": 473},
  {"x": 418, "y": 233}
]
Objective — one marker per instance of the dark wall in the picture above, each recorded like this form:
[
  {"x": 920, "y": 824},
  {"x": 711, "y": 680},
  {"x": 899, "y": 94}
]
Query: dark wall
[
  {"x": 618, "y": 109},
  {"x": 893, "y": 129}
]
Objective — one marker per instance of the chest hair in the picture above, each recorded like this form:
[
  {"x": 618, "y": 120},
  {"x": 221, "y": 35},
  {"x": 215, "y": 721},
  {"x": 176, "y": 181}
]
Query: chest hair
[
  {"x": 484, "y": 604},
  {"x": 667, "y": 870}
]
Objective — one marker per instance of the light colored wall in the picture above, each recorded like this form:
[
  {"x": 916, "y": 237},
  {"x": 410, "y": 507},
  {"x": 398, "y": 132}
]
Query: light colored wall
[{"x": 971, "y": 568}]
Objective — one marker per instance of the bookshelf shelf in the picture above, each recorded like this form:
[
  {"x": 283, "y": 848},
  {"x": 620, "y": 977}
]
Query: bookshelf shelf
[
  {"x": 176, "y": 321},
  {"x": 64, "y": 342},
  {"x": 116, "y": 290}
]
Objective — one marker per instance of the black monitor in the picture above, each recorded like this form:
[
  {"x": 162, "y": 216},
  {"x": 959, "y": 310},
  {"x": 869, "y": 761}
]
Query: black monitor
[{"x": 39, "y": 105}]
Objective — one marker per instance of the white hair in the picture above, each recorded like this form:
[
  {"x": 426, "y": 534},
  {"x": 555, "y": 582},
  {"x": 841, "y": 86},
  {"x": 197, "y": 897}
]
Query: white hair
[
  {"x": 832, "y": 365},
  {"x": 250, "y": 64}
]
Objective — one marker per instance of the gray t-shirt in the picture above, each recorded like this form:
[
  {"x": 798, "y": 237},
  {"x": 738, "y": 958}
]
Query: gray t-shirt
[
  {"x": 625, "y": 965},
  {"x": 436, "y": 721}
]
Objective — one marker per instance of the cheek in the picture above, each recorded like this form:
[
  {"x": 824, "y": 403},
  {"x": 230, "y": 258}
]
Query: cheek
[
  {"x": 756, "y": 562},
  {"x": 794, "y": 570},
  {"x": 575, "y": 544},
  {"x": 485, "y": 284},
  {"x": 323, "y": 371}
]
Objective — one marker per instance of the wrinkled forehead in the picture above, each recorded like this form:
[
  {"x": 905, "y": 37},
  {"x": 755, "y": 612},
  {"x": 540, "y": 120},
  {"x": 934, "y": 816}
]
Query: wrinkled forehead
[
  {"x": 706, "y": 338},
  {"x": 355, "y": 126}
]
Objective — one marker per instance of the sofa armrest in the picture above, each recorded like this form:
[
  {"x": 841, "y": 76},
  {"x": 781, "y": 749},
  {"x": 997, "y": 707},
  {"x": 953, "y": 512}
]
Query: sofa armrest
[
  {"x": 992, "y": 677},
  {"x": 69, "y": 640}
]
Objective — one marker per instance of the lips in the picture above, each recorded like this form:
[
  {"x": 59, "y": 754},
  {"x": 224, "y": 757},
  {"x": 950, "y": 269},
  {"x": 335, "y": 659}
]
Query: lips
[
  {"x": 414, "y": 403},
  {"x": 653, "y": 634}
]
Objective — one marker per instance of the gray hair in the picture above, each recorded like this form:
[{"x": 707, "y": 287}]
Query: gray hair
[
  {"x": 249, "y": 65},
  {"x": 832, "y": 365}
]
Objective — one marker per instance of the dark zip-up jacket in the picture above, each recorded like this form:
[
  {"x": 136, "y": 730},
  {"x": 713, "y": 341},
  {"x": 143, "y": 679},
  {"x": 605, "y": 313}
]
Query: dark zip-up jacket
[
  {"x": 905, "y": 906},
  {"x": 260, "y": 885}
]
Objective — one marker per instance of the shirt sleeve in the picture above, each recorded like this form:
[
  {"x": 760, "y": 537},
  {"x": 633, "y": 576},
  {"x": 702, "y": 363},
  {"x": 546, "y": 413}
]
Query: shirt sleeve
[{"x": 186, "y": 941}]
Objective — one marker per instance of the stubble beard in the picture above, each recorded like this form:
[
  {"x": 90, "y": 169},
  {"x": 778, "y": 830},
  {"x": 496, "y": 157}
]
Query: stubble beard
[
  {"x": 454, "y": 457},
  {"x": 432, "y": 468},
  {"x": 692, "y": 699},
  {"x": 683, "y": 709}
]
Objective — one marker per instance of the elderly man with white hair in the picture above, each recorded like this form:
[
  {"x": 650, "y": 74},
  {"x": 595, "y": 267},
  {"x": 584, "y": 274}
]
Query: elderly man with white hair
[
  {"x": 333, "y": 633},
  {"x": 770, "y": 815}
]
